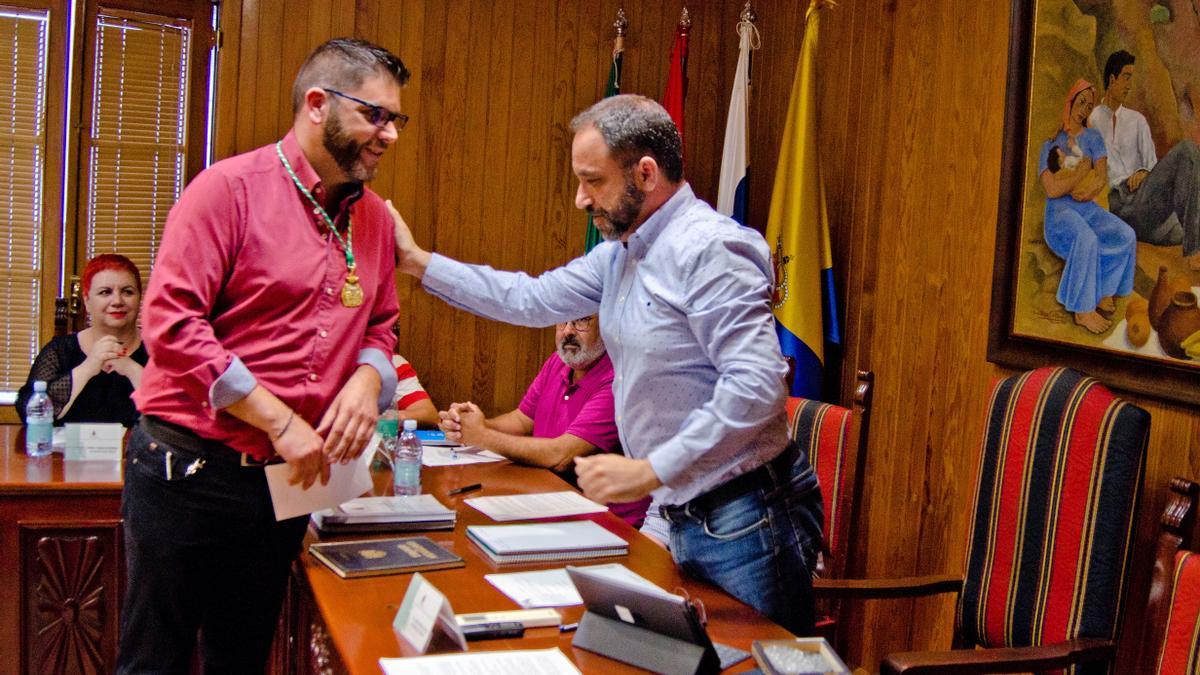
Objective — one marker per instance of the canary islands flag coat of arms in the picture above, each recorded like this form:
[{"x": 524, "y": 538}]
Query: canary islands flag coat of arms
[{"x": 798, "y": 231}]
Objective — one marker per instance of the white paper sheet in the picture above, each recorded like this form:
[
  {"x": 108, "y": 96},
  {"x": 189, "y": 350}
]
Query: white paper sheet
[
  {"x": 543, "y": 588},
  {"x": 346, "y": 481},
  {"x": 436, "y": 455},
  {"x": 553, "y": 588},
  {"x": 520, "y": 662},
  {"x": 535, "y": 506}
]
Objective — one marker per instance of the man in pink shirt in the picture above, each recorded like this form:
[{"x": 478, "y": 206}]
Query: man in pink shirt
[
  {"x": 567, "y": 412},
  {"x": 268, "y": 321}
]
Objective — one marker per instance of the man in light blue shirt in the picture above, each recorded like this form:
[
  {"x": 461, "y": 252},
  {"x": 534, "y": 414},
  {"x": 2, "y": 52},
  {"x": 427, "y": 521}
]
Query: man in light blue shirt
[{"x": 683, "y": 295}]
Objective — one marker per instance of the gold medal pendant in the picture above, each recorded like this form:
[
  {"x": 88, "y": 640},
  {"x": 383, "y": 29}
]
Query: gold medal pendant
[{"x": 352, "y": 293}]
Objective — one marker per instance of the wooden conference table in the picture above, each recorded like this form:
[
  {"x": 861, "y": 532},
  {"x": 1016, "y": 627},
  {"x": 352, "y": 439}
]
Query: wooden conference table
[
  {"x": 351, "y": 627},
  {"x": 62, "y": 576}
]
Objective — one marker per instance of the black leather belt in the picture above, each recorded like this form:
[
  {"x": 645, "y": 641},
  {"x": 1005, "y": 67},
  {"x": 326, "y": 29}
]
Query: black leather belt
[
  {"x": 768, "y": 476},
  {"x": 182, "y": 437}
]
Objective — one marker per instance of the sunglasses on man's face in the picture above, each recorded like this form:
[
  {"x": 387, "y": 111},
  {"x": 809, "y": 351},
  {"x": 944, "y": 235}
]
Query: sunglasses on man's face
[{"x": 377, "y": 115}]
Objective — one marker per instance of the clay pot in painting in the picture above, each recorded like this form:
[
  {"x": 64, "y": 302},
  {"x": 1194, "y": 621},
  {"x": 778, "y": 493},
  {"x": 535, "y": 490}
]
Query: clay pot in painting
[
  {"x": 1178, "y": 322},
  {"x": 1164, "y": 290},
  {"x": 1160, "y": 298}
]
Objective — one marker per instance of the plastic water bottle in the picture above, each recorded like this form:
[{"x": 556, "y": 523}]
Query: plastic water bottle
[
  {"x": 387, "y": 427},
  {"x": 39, "y": 422},
  {"x": 406, "y": 467}
]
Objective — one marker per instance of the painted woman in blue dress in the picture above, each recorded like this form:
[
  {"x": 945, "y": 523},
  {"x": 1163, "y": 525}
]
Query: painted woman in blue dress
[{"x": 1099, "y": 248}]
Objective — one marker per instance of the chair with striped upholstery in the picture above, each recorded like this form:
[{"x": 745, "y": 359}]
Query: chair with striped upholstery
[
  {"x": 1170, "y": 640},
  {"x": 1049, "y": 546},
  {"x": 834, "y": 438}
]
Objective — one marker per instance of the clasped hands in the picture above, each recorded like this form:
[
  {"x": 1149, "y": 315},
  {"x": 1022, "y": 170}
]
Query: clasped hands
[
  {"x": 109, "y": 355},
  {"x": 605, "y": 478},
  {"x": 462, "y": 423}
]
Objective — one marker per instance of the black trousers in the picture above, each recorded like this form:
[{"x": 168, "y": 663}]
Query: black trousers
[{"x": 204, "y": 556}]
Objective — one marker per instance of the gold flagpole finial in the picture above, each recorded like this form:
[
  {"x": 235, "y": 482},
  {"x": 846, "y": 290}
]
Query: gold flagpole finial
[
  {"x": 685, "y": 21},
  {"x": 622, "y": 23},
  {"x": 748, "y": 13}
]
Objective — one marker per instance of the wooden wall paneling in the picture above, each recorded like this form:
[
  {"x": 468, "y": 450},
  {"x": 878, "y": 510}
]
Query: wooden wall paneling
[
  {"x": 473, "y": 204},
  {"x": 403, "y": 32},
  {"x": 318, "y": 28},
  {"x": 343, "y": 16},
  {"x": 441, "y": 106},
  {"x": 851, "y": 95},
  {"x": 494, "y": 127},
  {"x": 228, "y": 79},
  {"x": 293, "y": 48},
  {"x": 268, "y": 71}
]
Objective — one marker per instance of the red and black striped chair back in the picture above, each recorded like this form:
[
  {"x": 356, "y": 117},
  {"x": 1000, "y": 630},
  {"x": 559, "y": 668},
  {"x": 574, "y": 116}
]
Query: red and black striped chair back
[
  {"x": 1180, "y": 650},
  {"x": 835, "y": 439},
  {"x": 1058, "y": 480},
  {"x": 823, "y": 430}
]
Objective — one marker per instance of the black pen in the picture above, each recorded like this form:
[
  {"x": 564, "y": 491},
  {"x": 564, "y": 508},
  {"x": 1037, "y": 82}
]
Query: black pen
[
  {"x": 466, "y": 488},
  {"x": 567, "y": 627}
]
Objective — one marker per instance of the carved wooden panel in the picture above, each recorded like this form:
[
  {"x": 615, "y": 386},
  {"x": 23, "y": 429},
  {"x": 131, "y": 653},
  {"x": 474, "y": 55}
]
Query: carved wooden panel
[{"x": 70, "y": 598}]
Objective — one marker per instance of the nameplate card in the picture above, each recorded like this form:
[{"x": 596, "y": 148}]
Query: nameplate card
[
  {"x": 94, "y": 442},
  {"x": 424, "y": 609}
]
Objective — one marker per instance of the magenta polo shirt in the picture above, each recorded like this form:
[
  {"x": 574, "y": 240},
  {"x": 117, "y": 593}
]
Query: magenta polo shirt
[{"x": 584, "y": 409}]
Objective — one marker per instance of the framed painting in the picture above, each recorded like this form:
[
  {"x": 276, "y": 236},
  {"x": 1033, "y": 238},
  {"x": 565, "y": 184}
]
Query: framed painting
[{"x": 1098, "y": 242}]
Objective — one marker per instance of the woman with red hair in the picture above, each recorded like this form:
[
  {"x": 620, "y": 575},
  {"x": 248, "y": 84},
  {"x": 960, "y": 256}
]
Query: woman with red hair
[{"x": 90, "y": 375}]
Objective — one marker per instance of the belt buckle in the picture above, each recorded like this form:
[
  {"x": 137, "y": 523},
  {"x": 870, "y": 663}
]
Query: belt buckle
[{"x": 673, "y": 513}]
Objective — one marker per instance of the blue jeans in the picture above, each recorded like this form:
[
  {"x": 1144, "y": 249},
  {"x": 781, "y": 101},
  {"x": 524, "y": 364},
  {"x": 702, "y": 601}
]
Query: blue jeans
[
  {"x": 204, "y": 555},
  {"x": 760, "y": 546}
]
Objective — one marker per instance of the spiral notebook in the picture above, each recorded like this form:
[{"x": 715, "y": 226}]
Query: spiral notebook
[{"x": 546, "y": 542}]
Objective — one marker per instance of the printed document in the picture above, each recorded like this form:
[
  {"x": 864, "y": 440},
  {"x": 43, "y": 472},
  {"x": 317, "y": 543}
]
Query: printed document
[
  {"x": 346, "y": 481},
  {"x": 521, "y": 662},
  {"x": 436, "y": 455},
  {"x": 535, "y": 506},
  {"x": 553, "y": 588}
]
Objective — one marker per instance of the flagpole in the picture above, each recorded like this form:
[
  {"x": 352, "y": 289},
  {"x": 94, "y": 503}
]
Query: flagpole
[
  {"x": 621, "y": 25},
  {"x": 733, "y": 186},
  {"x": 592, "y": 236},
  {"x": 676, "y": 92}
]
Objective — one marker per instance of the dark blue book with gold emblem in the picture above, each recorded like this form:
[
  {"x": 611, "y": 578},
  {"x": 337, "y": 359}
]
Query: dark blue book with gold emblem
[{"x": 371, "y": 557}]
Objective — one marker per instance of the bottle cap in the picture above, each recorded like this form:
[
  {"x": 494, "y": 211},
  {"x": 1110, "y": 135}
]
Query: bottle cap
[
  {"x": 387, "y": 427},
  {"x": 39, "y": 385},
  {"x": 410, "y": 425}
]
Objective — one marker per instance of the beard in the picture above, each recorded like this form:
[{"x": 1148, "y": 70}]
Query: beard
[
  {"x": 619, "y": 220},
  {"x": 580, "y": 357},
  {"x": 346, "y": 151}
]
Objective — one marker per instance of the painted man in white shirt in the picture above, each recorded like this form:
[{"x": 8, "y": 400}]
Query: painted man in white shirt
[{"x": 1146, "y": 192}]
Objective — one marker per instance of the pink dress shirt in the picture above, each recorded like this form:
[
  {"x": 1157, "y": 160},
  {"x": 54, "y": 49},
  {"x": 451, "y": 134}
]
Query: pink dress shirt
[
  {"x": 583, "y": 409},
  {"x": 247, "y": 288}
]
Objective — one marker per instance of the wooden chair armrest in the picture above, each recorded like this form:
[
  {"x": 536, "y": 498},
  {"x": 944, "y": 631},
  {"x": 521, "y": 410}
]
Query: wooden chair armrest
[
  {"x": 876, "y": 589},
  {"x": 1000, "y": 660}
]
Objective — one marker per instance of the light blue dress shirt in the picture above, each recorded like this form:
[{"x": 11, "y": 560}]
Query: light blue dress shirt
[{"x": 685, "y": 312}]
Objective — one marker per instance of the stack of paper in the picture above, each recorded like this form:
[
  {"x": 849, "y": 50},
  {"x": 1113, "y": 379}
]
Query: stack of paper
[
  {"x": 550, "y": 542},
  {"x": 535, "y": 506},
  {"x": 386, "y": 514}
]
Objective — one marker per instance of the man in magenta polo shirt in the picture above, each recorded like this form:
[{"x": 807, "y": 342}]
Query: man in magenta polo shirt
[{"x": 567, "y": 412}]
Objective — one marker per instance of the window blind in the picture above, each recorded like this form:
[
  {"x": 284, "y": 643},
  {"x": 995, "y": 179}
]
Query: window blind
[
  {"x": 136, "y": 149},
  {"x": 23, "y": 61}
]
